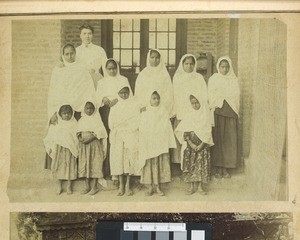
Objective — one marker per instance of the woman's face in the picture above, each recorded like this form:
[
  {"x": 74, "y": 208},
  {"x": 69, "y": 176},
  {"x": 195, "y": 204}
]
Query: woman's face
[
  {"x": 195, "y": 104},
  {"x": 188, "y": 65},
  {"x": 111, "y": 69},
  {"x": 89, "y": 109},
  {"x": 124, "y": 94},
  {"x": 86, "y": 36},
  {"x": 66, "y": 115},
  {"x": 224, "y": 67},
  {"x": 154, "y": 59},
  {"x": 69, "y": 54},
  {"x": 155, "y": 100}
]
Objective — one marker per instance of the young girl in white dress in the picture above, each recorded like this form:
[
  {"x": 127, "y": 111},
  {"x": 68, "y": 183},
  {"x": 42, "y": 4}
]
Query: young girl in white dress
[
  {"x": 156, "y": 137},
  {"x": 61, "y": 144}
]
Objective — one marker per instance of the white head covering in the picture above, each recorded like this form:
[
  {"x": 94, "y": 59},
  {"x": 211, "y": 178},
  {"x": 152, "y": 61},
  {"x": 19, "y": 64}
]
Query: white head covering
[
  {"x": 62, "y": 134},
  {"x": 110, "y": 85},
  {"x": 224, "y": 87},
  {"x": 72, "y": 84},
  {"x": 186, "y": 84},
  {"x": 155, "y": 133},
  {"x": 152, "y": 79},
  {"x": 92, "y": 123},
  {"x": 198, "y": 121}
]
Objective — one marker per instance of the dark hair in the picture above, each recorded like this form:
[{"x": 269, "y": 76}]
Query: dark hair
[
  {"x": 68, "y": 45},
  {"x": 86, "y": 26},
  {"x": 154, "y": 51},
  {"x": 90, "y": 103},
  {"x": 191, "y": 57},
  {"x": 193, "y": 97},
  {"x": 124, "y": 88},
  {"x": 111, "y": 61},
  {"x": 156, "y": 93},
  {"x": 65, "y": 108},
  {"x": 224, "y": 60}
]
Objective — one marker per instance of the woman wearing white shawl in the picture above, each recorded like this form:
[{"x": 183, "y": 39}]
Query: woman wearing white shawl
[
  {"x": 154, "y": 77},
  {"x": 61, "y": 145},
  {"x": 92, "y": 147},
  {"x": 107, "y": 96},
  {"x": 156, "y": 137},
  {"x": 71, "y": 83},
  {"x": 186, "y": 82},
  {"x": 194, "y": 133},
  {"x": 224, "y": 99},
  {"x": 123, "y": 123}
]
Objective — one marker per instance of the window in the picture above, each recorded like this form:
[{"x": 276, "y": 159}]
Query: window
[
  {"x": 162, "y": 35},
  {"x": 126, "y": 44}
]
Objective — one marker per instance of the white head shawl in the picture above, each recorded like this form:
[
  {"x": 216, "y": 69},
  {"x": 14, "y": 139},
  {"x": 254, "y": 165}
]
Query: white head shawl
[
  {"x": 186, "y": 84},
  {"x": 62, "y": 134},
  {"x": 109, "y": 86},
  {"x": 92, "y": 123},
  {"x": 198, "y": 121},
  {"x": 152, "y": 79},
  {"x": 224, "y": 87},
  {"x": 155, "y": 133}
]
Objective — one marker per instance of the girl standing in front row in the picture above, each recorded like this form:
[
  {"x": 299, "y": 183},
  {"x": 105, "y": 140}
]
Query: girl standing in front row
[
  {"x": 224, "y": 101},
  {"x": 194, "y": 133},
  {"x": 156, "y": 137},
  {"x": 61, "y": 144},
  {"x": 92, "y": 138},
  {"x": 123, "y": 123}
]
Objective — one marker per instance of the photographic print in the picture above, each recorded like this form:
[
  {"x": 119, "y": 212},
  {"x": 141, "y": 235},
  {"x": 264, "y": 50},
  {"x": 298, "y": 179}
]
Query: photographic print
[{"x": 152, "y": 108}]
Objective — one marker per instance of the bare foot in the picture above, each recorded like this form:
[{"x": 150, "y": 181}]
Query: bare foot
[
  {"x": 149, "y": 192},
  {"x": 85, "y": 191},
  {"x": 129, "y": 192},
  {"x": 121, "y": 192},
  {"x": 58, "y": 191},
  {"x": 160, "y": 192},
  {"x": 94, "y": 191}
]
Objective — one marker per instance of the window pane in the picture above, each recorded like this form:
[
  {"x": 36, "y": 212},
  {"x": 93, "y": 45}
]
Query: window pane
[
  {"x": 180, "y": 235},
  {"x": 152, "y": 40},
  {"x": 116, "y": 39},
  {"x": 162, "y": 40},
  {"x": 162, "y": 24},
  {"x": 198, "y": 235},
  {"x": 126, "y": 25},
  {"x": 164, "y": 54},
  {"x": 162, "y": 235},
  {"x": 172, "y": 40},
  {"x": 136, "y": 40},
  {"x": 136, "y": 57},
  {"x": 116, "y": 24},
  {"x": 126, "y": 57},
  {"x": 172, "y": 57},
  {"x": 152, "y": 24},
  {"x": 126, "y": 40},
  {"x": 116, "y": 55},
  {"x": 136, "y": 25},
  {"x": 172, "y": 24}
]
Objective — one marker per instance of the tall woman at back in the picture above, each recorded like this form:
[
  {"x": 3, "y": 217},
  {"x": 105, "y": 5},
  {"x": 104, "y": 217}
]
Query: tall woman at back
[
  {"x": 186, "y": 82},
  {"x": 224, "y": 101}
]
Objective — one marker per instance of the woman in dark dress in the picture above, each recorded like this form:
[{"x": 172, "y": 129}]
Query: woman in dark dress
[{"x": 224, "y": 99}]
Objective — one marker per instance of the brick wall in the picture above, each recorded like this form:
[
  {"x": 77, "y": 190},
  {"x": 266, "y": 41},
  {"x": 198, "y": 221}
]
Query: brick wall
[
  {"x": 70, "y": 32},
  {"x": 202, "y": 36},
  {"x": 35, "y": 51},
  {"x": 223, "y": 29}
]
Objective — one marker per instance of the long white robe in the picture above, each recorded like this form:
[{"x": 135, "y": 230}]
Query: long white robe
[
  {"x": 152, "y": 79},
  {"x": 72, "y": 84}
]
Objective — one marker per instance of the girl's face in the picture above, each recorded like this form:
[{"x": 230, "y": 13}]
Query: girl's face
[
  {"x": 155, "y": 100},
  {"x": 224, "y": 67},
  {"x": 69, "y": 54},
  {"x": 86, "y": 36},
  {"x": 66, "y": 115},
  {"x": 154, "y": 59},
  {"x": 124, "y": 94},
  {"x": 188, "y": 65},
  {"x": 111, "y": 69},
  {"x": 89, "y": 109},
  {"x": 195, "y": 104}
]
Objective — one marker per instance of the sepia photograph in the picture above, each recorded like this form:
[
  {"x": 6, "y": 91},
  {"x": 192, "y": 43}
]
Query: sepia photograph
[
  {"x": 151, "y": 226},
  {"x": 154, "y": 108}
]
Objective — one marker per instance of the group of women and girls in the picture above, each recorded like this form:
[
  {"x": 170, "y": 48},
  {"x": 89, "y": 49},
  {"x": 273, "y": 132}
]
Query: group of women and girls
[{"x": 135, "y": 135}]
